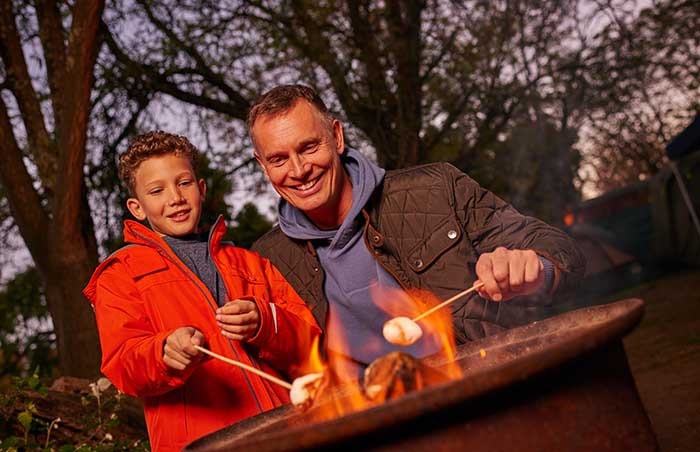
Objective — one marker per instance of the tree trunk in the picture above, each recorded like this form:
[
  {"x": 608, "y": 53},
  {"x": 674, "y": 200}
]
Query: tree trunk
[
  {"x": 56, "y": 229},
  {"x": 73, "y": 319}
]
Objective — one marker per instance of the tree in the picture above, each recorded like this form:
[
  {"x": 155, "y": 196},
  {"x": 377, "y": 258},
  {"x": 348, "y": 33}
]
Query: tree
[
  {"x": 644, "y": 83},
  {"x": 250, "y": 226},
  {"x": 417, "y": 81},
  {"x": 43, "y": 135},
  {"x": 26, "y": 337}
]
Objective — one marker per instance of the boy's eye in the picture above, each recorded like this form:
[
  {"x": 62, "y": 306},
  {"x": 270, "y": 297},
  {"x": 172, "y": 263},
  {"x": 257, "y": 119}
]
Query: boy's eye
[
  {"x": 155, "y": 191},
  {"x": 186, "y": 182}
]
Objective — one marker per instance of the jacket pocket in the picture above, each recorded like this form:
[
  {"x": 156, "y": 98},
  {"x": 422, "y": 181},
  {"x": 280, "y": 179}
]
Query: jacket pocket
[{"x": 445, "y": 235}]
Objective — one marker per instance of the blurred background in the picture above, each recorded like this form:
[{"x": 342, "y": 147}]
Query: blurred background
[{"x": 580, "y": 112}]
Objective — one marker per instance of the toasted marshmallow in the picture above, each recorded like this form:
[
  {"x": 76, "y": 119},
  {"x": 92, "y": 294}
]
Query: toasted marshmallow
[
  {"x": 304, "y": 390},
  {"x": 401, "y": 331}
]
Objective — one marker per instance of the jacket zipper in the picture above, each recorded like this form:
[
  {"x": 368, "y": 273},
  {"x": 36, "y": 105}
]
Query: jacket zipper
[
  {"x": 209, "y": 299},
  {"x": 251, "y": 360}
]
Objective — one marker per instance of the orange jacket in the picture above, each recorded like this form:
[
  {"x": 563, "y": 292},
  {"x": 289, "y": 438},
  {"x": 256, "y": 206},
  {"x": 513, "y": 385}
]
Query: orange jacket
[{"x": 143, "y": 292}]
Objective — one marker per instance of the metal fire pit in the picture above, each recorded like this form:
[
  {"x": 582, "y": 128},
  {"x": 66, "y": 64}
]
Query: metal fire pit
[{"x": 558, "y": 384}]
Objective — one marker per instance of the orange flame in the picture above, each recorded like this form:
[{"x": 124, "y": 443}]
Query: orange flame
[
  {"x": 437, "y": 325},
  {"x": 336, "y": 398}
]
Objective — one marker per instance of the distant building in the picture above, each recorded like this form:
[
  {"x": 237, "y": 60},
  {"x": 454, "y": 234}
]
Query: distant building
[{"x": 644, "y": 227}]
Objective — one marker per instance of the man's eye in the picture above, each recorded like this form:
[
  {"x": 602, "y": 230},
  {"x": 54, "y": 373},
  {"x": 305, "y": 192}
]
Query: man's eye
[
  {"x": 276, "y": 161},
  {"x": 310, "y": 148}
]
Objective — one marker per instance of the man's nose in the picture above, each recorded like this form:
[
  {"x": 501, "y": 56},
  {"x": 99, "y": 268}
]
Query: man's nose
[{"x": 299, "y": 167}]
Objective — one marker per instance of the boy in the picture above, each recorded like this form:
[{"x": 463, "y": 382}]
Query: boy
[{"x": 168, "y": 290}]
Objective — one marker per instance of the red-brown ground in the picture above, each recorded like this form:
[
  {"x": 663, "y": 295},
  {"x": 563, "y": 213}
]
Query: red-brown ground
[{"x": 664, "y": 355}]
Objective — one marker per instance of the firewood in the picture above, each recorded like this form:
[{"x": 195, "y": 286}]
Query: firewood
[{"x": 395, "y": 374}]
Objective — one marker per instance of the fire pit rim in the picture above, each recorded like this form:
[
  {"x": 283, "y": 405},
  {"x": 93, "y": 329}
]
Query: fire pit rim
[{"x": 619, "y": 318}]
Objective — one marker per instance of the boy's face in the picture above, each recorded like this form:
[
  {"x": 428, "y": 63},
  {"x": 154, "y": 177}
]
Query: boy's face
[{"x": 168, "y": 195}]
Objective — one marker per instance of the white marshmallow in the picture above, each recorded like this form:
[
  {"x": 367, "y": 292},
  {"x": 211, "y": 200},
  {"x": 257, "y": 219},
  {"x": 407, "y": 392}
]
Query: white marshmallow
[
  {"x": 304, "y": 389},
  {"x": 402, "y": 331}
]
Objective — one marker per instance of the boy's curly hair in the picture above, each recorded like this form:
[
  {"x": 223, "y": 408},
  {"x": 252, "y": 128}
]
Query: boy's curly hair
[{"x": 153, "y": 144}]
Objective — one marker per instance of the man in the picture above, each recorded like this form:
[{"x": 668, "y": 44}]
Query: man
[{"x": 352, "y": 237}]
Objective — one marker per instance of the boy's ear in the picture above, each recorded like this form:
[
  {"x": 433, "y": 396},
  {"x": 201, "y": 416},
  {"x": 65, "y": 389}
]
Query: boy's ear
[
  {"x": 202, "y": 188},
  {"x": 134, "y": 207}
]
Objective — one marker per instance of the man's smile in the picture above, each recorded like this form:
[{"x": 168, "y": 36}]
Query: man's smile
[{"x": 306, "y": 186}]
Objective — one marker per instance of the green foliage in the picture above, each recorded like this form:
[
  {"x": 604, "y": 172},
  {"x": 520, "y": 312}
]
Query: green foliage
[
  {"x": 219, "y": 185},
  {"x": 250, "y": 225},
  {"x": 26, "y": 335},
  {"x": 28, "y": 428}
]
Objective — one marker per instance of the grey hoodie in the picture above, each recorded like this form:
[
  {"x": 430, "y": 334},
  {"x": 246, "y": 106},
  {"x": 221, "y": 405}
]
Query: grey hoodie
[{"x": 356, "y": 285}]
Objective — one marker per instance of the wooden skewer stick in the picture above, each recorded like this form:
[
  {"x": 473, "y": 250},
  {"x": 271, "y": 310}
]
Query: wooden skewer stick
[
  {"x": 448, "y": 301},
  {"x": 259, "y": 372}
]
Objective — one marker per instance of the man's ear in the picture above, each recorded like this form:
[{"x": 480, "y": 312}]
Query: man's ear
[
  {"x": 134, "y": 207},
  {"x": 257, "y": 157},
  {"x": 338, "y": 135}
]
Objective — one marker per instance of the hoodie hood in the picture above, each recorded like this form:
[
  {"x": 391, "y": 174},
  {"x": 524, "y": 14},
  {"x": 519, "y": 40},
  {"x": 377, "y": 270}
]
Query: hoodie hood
[{"x": 364, "y": 175}]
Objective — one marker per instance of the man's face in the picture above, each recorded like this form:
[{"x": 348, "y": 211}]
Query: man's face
[
  {"x": 300, "y": 153},
  {"x": 168, "y": 195}
]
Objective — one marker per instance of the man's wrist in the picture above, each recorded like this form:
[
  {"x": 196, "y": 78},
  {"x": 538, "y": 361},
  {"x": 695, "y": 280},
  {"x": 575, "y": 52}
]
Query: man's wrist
[{"x": 549, "y": 275}]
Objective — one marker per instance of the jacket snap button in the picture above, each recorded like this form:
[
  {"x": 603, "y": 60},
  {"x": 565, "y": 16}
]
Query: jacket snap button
[
  {"x": 452, "y": 234},
  {"x": 418, "y": 263}
]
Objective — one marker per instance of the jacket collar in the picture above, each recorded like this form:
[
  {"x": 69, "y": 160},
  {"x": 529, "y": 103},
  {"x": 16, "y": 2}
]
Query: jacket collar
[{"x": 137, "y": 234}]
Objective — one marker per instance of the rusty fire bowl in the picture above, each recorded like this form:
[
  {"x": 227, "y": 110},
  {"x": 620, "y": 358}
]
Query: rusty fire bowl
[{"x": 562, "y": 383}]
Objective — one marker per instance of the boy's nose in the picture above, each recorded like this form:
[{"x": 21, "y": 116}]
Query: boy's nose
[{"x": 176, "y": 197}]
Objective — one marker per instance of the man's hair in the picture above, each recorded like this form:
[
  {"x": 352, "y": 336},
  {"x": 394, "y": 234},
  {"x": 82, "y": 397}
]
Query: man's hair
[
  {"x": 281, "y": 99},
  {"x": 149, "y": 145}
]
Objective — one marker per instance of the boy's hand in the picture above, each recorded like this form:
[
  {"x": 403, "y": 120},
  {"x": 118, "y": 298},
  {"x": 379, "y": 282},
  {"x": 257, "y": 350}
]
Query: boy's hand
[
  {"x": 509, "y": 273},
  {"x": 238, "y": 319},
  {"x": 179, "y": 351}
]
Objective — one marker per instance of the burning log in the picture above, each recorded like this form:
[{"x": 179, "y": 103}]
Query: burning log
[{"x": 396, "y": 374}]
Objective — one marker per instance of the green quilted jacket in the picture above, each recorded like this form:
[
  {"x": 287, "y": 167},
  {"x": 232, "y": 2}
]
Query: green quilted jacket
[{"x": 427, "y": 226}]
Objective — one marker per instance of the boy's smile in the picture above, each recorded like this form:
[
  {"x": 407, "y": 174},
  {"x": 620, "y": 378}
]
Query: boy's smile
[{"x": 168, "y": 195}]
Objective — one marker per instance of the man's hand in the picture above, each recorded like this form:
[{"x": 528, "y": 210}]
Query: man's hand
[
  {"x": 509, "y": 273},
  {"x": 179, "y": 351},
  {"x": 238, "y": 319}
]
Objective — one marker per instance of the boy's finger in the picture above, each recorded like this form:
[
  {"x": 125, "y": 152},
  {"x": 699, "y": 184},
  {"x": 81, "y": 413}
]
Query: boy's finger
[
  {"x": 238, "y": 329},
  {"x": 175, "y": 360},
  {"x": 237, "y": 319},
  {"x": 236, "y": 307},
  {"x": 197, "y": 338}
]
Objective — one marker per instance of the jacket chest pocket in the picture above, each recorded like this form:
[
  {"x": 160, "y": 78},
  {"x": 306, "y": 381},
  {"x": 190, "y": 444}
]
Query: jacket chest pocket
[
  {"x": 153, "y": 271},
  {"x": 445, "y": 236}
]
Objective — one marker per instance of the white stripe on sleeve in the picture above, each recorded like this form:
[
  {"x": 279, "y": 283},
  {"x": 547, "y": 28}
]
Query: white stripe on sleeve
[{"x": 274, "y": 315}]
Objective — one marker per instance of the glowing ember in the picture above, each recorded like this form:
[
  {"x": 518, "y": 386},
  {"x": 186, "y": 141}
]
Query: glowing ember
[
  {"x": 402, "y": 331},
  {"x": 324, "y": 390},
  {"x": 397, "y": 374},
  {"x": 304, "y": 390}
]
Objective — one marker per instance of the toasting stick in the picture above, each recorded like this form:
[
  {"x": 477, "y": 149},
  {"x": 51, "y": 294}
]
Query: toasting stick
[
  {"x": 301, "y": 392},
  {"x": 252, "y": 369},
  {"x": 405, "y": 331}
]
